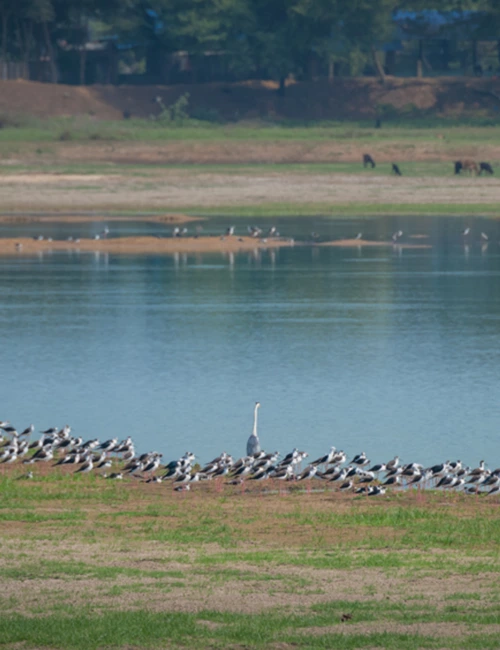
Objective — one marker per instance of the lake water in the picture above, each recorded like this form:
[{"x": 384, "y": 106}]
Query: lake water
[{"x": 387, "y": 351}]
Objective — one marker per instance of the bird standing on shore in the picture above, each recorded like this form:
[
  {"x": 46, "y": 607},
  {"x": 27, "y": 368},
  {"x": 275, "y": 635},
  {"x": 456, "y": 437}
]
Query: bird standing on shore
[{"x": 253, "y": 443}]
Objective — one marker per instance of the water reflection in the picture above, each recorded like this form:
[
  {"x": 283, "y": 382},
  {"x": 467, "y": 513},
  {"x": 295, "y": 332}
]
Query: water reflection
[
  {"x": 439, "y": 232},
  {"x": 388, "y": 350}
]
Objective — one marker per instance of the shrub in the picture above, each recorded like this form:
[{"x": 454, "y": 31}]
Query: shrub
[{"x": 176, "y": 113}]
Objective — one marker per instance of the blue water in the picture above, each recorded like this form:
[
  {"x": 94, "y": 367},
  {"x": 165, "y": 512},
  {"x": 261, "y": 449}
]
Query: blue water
[{"x": 387, "y": 351}]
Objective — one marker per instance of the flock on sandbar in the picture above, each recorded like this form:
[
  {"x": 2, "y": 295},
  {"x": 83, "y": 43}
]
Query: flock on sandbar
[{"x": 118, "y": 460}]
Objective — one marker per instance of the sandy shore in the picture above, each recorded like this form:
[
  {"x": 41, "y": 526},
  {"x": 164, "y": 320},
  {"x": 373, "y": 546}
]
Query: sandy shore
[{"x": 144, "y": 245}]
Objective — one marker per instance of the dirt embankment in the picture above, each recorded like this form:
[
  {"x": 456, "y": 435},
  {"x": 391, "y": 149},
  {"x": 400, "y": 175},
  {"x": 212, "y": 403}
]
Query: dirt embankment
[{"x": 341, "y": 99}]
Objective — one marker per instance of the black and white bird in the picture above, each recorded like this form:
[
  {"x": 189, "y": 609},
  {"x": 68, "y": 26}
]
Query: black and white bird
[
  {"x": 28, "y": 431},
  {"x": 10, "y": 430},
  {"x": 379, "y": 467},
  {"x": 360, "y": 460},
  {"x": 109, "y": 445},
  {"x": 87, "y": 467},
  {"x": 308, "y": 473},
  {"x": 325, "y": 460},
  {"x": 392, "y": 464},
  {"x": 44, "y": 454},
  {"x": 50, "y": 431},
  {"x": 376, "y": 490},
  {"x": 392, "y": 481}
]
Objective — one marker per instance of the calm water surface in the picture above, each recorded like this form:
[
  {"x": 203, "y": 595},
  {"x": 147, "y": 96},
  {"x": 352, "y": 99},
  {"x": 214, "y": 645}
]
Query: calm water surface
[{"x": 386, "y": 351}]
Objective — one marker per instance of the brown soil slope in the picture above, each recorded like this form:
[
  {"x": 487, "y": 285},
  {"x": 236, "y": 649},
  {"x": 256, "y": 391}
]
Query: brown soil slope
[{"x": 345, "y": 98}]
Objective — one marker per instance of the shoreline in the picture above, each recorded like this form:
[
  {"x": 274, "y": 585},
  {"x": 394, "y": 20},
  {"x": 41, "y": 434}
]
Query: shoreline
[{"x": 82, "y": 217}]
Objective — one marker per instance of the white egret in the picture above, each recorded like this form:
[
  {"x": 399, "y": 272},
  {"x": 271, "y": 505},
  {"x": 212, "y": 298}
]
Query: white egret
[{"x": 253, "y": 444}]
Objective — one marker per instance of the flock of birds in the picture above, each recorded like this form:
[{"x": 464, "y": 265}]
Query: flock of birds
[
  {"x": 253, "y": 231},
  {"x": 59, "y": 448}
]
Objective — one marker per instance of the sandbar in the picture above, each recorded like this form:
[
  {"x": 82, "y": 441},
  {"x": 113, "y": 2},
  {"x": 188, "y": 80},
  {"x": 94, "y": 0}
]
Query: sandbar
[{"x": 143, "y": 245}]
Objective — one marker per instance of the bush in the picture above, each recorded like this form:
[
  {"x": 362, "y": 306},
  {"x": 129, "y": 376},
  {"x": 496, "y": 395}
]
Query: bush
[{"x": 176, "y": 113}]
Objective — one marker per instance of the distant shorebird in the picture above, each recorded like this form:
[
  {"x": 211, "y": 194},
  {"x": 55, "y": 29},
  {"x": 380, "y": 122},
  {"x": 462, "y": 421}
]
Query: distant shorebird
[
  {"x": 87, "y": 467},
  {"x": 392, "y": 481},
  {"x": 10, "y": 430},
  {"x": 392, "y": 464},
  {"x": 325, "y": 460},
  {"x": 109, "y": 445},
  {"x": 50, "y": 431},
  {"x": 378, "y": 468},
  {"x": 360, "y": 460},
  {"x": 254, "y": 231},
  {"x": 42, "y": 454}
]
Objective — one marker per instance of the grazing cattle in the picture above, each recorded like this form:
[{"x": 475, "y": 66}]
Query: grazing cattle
[
  {"x": 485, "y": 167},
  {"x": 466, "y": 165},
  {"x": 368, "y": 160},
  {"x": 396, "y": 170}
]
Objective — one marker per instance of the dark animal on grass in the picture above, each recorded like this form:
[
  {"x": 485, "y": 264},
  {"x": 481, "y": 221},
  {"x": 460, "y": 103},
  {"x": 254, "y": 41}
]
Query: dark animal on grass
[
  {"x": 368, "y": 160},
  {"x": 485, "y": 167},
  {"x": 466, "y": 166},
  {"x": 396, "y": 170}
]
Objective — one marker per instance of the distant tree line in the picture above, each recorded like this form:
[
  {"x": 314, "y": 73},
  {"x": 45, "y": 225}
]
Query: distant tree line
[{"x": 258, "y": 38}]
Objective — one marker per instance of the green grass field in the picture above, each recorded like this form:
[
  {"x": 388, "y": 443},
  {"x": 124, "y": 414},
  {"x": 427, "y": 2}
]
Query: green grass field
[
  {"x": 90, "y": 563},
  {"x": 29, "y": 129}
]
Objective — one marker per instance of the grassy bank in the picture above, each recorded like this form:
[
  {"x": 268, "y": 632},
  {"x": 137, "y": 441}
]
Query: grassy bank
[
  {"x": 92, "y": 563},
  {"x": 245, "y": 170},
  {"x": 17, "y": 128}
]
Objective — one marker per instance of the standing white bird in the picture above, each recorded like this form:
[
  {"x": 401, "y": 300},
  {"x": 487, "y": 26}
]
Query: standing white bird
[{"x": 253, "y": 444}]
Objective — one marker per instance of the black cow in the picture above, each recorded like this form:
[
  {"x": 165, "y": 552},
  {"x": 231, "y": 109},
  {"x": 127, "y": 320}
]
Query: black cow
[
  {"x": 485, "y": 167},
  {"x": 368, "y": 160}
]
